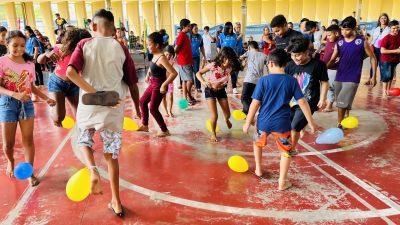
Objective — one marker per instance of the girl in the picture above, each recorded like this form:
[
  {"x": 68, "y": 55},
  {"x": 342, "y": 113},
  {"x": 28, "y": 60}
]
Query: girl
[
  {"x": 225, "y": 63},
  {"x": 157, "y": 75},
  {"x": 17, "y": 74},
  {"x": 60, "y": 87},
  {"x": 267, "y": 42},
  {"x": 3, "y": 47},
  {"x": 168, "y": 99}
]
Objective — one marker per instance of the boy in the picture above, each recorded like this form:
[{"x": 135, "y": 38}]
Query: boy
[
  {"x": 332, "y": 36},
  {"x": 390, "y": 56},
  {"x": 271, "y": 97},
  {"x": 183, "y": 49},
  {"x": 3, "y": 46},
  {"x": 209, "y": 46},
  {"x": 311, "y": 75},
  {"x": 105, "y": 72},
  {"x": 255, "y": 67},
  {"x": 351, "y": 49}
]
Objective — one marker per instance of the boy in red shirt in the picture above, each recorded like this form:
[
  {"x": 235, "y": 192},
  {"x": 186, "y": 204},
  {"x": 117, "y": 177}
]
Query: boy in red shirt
[{"x": 390, "y": 49}]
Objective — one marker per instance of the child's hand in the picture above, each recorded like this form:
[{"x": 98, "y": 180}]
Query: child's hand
[
  {"x": 321, "y": 104},
  {"x": 21, "y": 96},
  {"x": 163, "y": 89},
  {"x": 51, "y": 102},
  {"x": 52, "y": 56},
  {"x": 209, "y": 85},
  {"x": 246, "y": 127}
]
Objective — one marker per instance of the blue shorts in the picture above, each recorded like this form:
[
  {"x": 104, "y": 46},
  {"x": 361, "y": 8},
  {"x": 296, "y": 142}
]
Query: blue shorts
[
  {"x": 56, "y": 84},
  {"x": 388, "y": 69},
  {"x": 13, "y": 110}
]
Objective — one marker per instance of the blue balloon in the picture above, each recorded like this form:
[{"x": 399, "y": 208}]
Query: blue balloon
[
  {"x": 330, "y": 136},
  {"x": 23, "y": 171}
]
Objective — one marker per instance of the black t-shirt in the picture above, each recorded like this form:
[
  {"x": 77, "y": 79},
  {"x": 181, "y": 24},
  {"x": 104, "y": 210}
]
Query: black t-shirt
[
  {"x": 283, "y": 42},
  {"x": 3, "y": 50},
  {"x": 309, "y": 77}
]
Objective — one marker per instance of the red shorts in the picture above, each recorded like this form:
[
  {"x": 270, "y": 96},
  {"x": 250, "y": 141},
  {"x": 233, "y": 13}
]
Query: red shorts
[{"x": 283, "y": 141}]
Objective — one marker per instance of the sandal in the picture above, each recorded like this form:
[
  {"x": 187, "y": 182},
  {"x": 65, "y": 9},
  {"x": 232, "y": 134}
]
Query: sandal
[
  {"x": 120, "y": 214},
  {"x": 103, "y": 98}
]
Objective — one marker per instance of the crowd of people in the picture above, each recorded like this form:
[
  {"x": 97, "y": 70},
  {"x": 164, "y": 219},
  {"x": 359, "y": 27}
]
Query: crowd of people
[{"x": 308, "y": 71}]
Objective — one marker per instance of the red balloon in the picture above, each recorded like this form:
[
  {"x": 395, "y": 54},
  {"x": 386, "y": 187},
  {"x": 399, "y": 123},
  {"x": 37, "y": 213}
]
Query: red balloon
[{"x": 394, "y": 91}]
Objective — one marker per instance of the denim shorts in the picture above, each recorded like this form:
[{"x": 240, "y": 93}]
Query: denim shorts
[
  {"x": 56, "y": 84},
  {"x": 13, "y": 110},
  {"x": 388, "y": 69}
]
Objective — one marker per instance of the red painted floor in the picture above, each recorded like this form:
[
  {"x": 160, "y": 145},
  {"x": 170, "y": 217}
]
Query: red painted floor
[{"x": 184, "y": 179}]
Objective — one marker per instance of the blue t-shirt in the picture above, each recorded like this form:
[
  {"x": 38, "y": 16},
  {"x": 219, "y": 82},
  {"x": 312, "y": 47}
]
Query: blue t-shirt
[
  {"x": 275, "y": 92},
  {"x": 31, "y": 43},
  {"x": 239, "y": 45},
  {"x": 228, "y": 41},
  {"x": 166, "y": 39},
  {"x": 196, "y": 41}
]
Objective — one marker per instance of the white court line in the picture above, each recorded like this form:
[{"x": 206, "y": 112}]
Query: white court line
[{"x": 15, "y": 212}]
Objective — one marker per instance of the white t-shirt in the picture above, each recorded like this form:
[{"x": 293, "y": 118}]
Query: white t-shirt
[
  {"x": 105, "y": 70},
  {"x": 209, "y": 48}
]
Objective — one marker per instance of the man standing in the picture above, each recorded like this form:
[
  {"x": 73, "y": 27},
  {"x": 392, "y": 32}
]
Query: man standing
[{"x": 60, "y": 23}]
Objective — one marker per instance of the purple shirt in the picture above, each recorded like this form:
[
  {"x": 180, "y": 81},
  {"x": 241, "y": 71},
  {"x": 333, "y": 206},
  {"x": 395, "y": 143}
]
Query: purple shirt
[{"x": 351, "y": 60}]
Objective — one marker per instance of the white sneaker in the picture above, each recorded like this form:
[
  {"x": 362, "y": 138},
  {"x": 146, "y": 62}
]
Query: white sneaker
[{"x": 235, "y": 91}]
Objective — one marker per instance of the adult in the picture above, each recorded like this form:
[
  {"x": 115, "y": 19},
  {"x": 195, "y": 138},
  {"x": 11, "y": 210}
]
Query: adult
[
  {"x": 196, "y": 42},
  {"x": 302, "y": 25},
  {"x": 44, "y": 40},
  {"x": 60, "y": 23},
  {"x": 33, "y": 48},
  {"x": 290, "y": 25},
  {"x": 267, "y": 43},
  {"x": 230, "y": 39},
  {"x": 218, "y": 32},
  {"x": 381, "y": 30},
  {"x": 165, "y": 36},
  {"x": 120, "y": 37},
  {"x": 318, "y": 36}
]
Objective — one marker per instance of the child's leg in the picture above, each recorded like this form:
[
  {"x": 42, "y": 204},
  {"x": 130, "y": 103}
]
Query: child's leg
[
  {"x": 212, "y": 105},
  {"x": 225, "y": 109},
  {"x": 58, "y": 112},
  {"x": 247, "y": 92},
  {"x": 155, "y": 101},
  {"x": 341, "y": 114},
  {"x": 26, "y": 127},
  {"x": 165, "y": 106},
  {"x": 189, "y": 85},
  {"x": 185, "y": 91},
  {"x": 283, "y": 173},
  {"x": 113, "y": 171},
  {"x": 144, "y": 109},
  {"x": 170, "y": 101},
  {"x": 8, "y": 131},
  {"x": 257, "y": 157},
  {"x": 73, "y": 103},
  {"x": 385, "y": 89}
]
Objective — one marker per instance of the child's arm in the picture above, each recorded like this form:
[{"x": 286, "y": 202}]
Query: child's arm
[
  {"x": 254, "y": 106},
  {"x": 37, "y": 92},
  {"x": 387, "y": 51},
  {"x": 372, "y": 57},
  {"x": 47, "y": 57},
  {"x": 199, "y": 76},
  {"x": 323, "y": 95},
  {"x": 73, "y": 75},
  {"x": 307, "y": 113},
  {"x": 172, "y": 74},
  {"x": 332, "y": 61}
]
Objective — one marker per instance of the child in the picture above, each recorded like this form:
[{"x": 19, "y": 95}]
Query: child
[
  {"x": 390, "y": 49},
  {"x": 168, "y": 99},
  {"x": 17, "y": 73},
  {"x": 271, "y": 97},
  {"x": 105, "y": 72},
  {"x": 183, "y": 50},
  {"x": 312, "y": 76},
  {"x": 157, "y": 75},
  {"x": 351, "y": 49},
  {"x": 3, "y": 47},
  {"x": 60, "y": 87},
  {"x": 255, "y": 68},
  {"x": 225, "y": 63},
  {"x": 332, "y": 36}
]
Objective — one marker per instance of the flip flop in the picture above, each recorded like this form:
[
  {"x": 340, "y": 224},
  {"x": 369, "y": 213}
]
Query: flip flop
[
  {"x": 120, "y": 214},
  {"x": 103, "y": 98}
]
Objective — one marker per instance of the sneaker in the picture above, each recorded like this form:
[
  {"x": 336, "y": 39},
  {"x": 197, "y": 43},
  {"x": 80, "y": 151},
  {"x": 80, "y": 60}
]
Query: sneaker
[{"x": 235, "y": 91}]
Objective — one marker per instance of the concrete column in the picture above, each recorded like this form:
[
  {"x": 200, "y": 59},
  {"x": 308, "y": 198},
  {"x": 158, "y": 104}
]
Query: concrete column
[
  {"x": 295, "y": 11},
  {"x": 132, "y": 9},
  {"x": 223, "y": 11},
  {"x": 374, "y": 10},
  {"x": 149, "y": 15},
  {"x": 270, "y": 7},
  {"x": 254, "y": 12},
  {"x": 80, "y": 12},
  {"x": 208, "y": 13},
  {"x": 47, "y": 15},
  {"x": 194, "y": 11},
  {"x": 116, "y": 8},
  {"x": 11, "y": 16},
  {"x": 97, "y": 5},
  {"x": 309, "y": 9},
  {"x": 282, "y": 7},
  {"x": 322, "y": 12},
  {"x": 27, "y": 8},
  {"x": 63, "y": 9}
]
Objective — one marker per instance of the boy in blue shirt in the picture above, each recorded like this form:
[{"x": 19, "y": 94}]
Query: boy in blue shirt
[{"x": 271, "y": 98}]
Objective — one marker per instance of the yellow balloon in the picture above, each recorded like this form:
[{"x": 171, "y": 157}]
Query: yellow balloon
[
  {"x": 78, "y": 186},
  {"x": 209, "y": 128},
  {"x": 238, "y": 164},
  {"x": 130, "y": 125},
  {"x": 350, "y": 122},
  {"x": 238, "y": 115},
  {"x": 68, "y": 122}
]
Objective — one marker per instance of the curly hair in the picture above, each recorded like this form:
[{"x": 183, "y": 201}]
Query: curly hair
[
  {"x": 228, "y": 53},
  {"x": 71, "y": 39}
]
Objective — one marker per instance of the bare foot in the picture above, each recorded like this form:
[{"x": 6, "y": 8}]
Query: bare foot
[
  {"x": 213, "y": 138},
  {"x": 167, "y": 115},
  {"x": 284, "y": 185},
  {"x": 258, "y": 173},
  {"x": 34, "y": 181},
  {"x": 172, "y": 115},
  {"x": 95, "y": 187},
  {"x": 228, "y": 124},
  {"x": 163, "y": 134},
  {"x": 10, "y": 168},
  {"x": 143, "y": 128},
  {"x": 302, "y": 133},
  {"x": 327, "y": 109}
]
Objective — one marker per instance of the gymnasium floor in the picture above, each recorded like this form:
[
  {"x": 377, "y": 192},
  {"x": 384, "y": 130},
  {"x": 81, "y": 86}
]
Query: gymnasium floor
[{"x": 184, "y": 179}]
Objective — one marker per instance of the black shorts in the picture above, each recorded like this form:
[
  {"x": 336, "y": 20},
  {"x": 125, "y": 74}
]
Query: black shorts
[
  {"x": 298, "y": 118},
  {"x": 211, "y": 94}
]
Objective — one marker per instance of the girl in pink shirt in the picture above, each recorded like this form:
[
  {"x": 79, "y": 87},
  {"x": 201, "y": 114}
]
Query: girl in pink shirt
[
  {"x": 225, "y": 62},
  {"x": 17, "y": 73},
  {"x": 60, "y": 87}
]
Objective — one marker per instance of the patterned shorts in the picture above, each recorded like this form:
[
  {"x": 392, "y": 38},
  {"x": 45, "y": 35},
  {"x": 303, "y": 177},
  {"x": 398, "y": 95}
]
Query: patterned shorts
[
  {"x": 283, "y": 141},
  {"x": 112, "y": 140}
]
